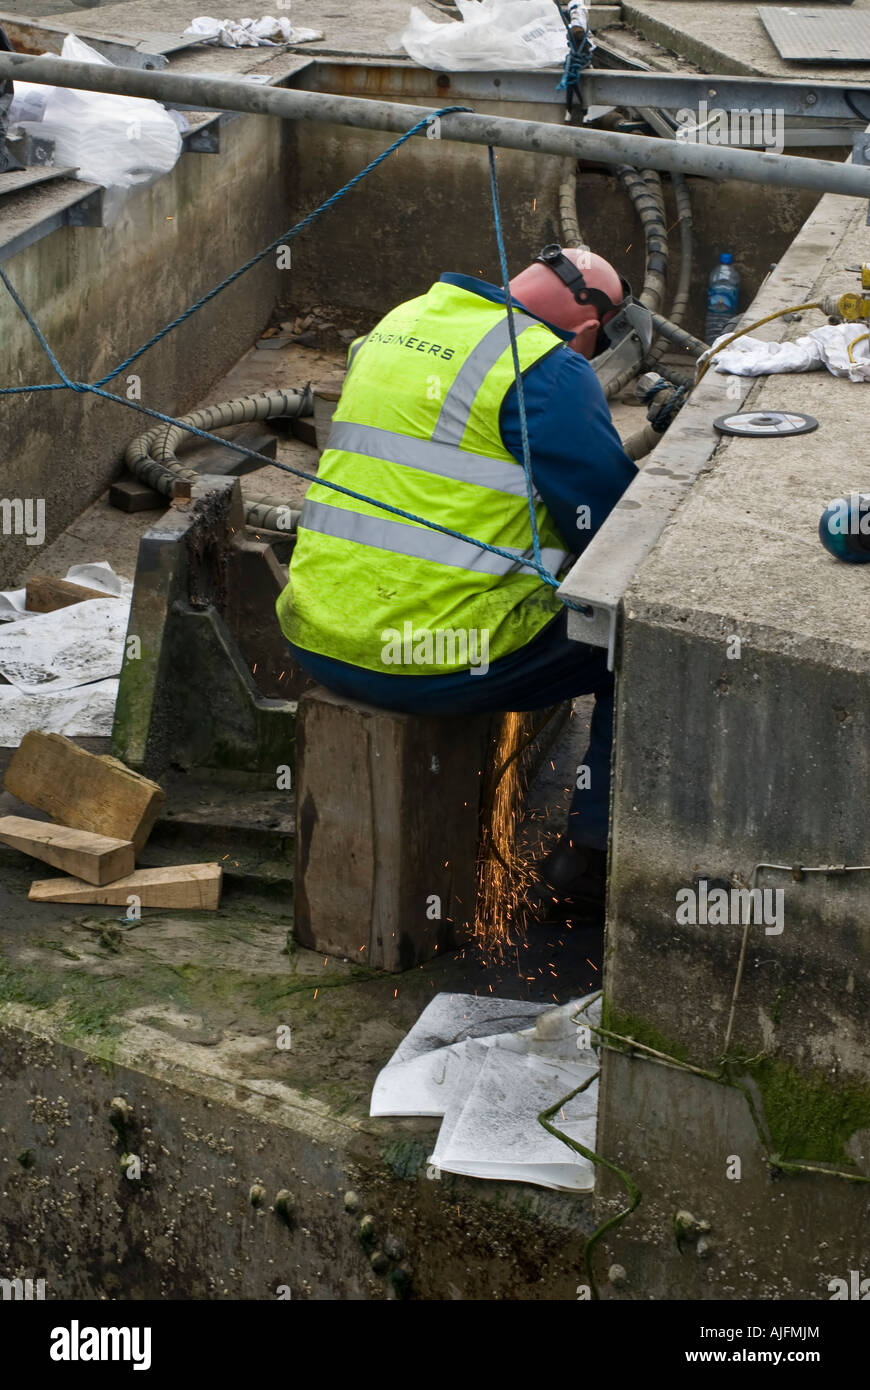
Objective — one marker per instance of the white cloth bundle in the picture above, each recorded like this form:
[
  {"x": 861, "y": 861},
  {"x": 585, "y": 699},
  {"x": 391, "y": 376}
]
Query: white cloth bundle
[
  {"x": 249, "y": 33},
  {"x": 823, "y": 347}
]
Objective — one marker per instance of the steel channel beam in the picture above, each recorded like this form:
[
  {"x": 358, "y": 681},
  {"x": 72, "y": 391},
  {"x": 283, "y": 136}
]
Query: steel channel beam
[
  {"x": 537, "y": 137},
  {"x": 669, "y": 92},
  {"x": 33, "y": 36}
]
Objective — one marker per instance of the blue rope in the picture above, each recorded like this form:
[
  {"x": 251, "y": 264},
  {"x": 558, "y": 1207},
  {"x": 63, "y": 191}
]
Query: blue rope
[
  {"x": 578, "y": 57},
  {"x": 97, "y": 388},
  {"x": 512, "y": 331},
  {"x": 664, "y": 416}
]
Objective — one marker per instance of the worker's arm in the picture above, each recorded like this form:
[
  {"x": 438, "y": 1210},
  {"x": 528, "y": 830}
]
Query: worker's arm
[{"x": 577, "y": 458}]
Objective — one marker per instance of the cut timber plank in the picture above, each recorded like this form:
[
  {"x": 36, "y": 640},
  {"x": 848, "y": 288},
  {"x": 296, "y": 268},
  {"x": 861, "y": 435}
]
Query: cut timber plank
[
  {"x": 95, "y": 858},
  {"x": 185, "y": 886},
  {"x": 82, "y": 789},
  {"x": 45, "y": 594}
]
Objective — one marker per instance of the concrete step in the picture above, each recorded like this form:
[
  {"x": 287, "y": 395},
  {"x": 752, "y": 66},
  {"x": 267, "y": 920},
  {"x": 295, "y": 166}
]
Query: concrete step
[{"x": 249, "y": 830}]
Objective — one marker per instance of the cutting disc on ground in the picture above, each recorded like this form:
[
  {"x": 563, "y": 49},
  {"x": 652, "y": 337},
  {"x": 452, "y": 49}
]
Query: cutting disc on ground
[{"x": 761, "y": 424}]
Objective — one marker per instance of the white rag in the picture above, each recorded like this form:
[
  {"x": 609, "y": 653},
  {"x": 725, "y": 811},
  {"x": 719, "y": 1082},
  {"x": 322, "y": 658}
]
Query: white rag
[
  {"x": 249, "y": 33},
  {"x": 823, "y": 347}
]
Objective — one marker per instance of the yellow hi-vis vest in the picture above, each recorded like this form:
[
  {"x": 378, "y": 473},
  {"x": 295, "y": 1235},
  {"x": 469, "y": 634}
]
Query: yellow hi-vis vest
[{"x": 417, "y": 426}]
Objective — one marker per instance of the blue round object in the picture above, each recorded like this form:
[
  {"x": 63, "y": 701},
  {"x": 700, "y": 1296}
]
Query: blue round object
[{"x": 844, "y": 528}]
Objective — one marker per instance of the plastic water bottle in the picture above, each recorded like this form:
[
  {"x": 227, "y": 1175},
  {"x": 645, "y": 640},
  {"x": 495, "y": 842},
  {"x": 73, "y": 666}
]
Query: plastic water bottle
[{"x": 723, "y": 294}]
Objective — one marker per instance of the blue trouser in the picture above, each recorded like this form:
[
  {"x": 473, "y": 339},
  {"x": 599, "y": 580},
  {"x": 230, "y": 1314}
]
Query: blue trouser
[{"x": 547, "y": 670}]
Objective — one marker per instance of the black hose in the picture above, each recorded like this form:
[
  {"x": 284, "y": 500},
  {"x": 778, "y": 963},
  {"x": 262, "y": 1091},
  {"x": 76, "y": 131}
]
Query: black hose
[
  {"x": 678, "y": 336},
  {"x": 649, "y": 206},
  {"x": 680, "y": 305}
]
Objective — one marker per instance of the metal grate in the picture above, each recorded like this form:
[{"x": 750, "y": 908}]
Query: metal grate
[{"x": 818, "y": 36}]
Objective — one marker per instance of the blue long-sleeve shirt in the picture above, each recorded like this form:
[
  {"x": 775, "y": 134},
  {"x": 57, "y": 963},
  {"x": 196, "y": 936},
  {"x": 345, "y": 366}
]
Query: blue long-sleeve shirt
[{"x": 577, "y": 461}]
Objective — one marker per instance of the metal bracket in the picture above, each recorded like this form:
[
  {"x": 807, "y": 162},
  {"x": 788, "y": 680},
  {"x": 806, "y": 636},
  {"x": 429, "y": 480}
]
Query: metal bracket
[
  {"x": 597, "y": 627},
  {"x": 88, "y": 211},
  {"x": 204, "y": 139},
  {"x": 31, "y": 150}
]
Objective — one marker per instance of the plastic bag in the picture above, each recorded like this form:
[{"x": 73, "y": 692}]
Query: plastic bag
[
  {"x": 112, "y": 140},
  {"x": 494, "y": 34}
]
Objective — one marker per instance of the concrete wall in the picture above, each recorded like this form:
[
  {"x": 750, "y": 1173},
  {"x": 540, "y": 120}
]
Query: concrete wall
[
  {"x": 98, "y": 293},
  {"x": 428, "y": 210},
  {"x": 425, "y": 210},
  {"x": 742, "y": 738}
]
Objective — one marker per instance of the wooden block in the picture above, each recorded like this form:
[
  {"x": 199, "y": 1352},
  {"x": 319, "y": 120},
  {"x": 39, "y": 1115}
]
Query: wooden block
[
  {"x": 80, "y": 789},
  {"x": 226, "y": 462},
  {"x": 407, "y": 884},
  {"x": 129, "y": 495},
  {"x": 196, "y": 886},
  {"x": 95, "y": 858},
  {"x": 305, "y": 429},
  {"x": 45, "y": 594}
]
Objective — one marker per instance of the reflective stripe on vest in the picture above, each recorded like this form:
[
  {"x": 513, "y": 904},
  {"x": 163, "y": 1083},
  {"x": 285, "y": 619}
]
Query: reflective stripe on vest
[
  {"x": 444, "y": 459},
  {"x": 456, "y": 410},
  {"x": 421, "y": 542}
]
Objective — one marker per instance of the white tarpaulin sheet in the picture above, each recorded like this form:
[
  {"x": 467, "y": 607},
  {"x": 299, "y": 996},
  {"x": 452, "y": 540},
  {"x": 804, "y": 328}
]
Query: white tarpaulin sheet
[{"x": 489, "y": 1067}]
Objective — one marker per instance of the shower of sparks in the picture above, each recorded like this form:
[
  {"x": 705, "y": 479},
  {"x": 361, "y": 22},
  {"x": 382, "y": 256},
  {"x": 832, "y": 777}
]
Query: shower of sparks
[{"x": 502, "y": 889}]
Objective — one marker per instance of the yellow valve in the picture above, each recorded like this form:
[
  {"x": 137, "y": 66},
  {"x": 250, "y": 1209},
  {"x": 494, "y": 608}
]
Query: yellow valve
[
  {"x": 865, "y": 275},
  {"x": 852, "y": 306}
]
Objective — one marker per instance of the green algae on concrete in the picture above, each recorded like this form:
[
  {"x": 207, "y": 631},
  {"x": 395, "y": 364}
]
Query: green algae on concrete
[
  {"x": 810, "y": 1118},
  {"x": 628, "y": 1025}
]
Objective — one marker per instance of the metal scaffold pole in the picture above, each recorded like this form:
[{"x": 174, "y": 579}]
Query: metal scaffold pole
[{"x": 538, "y": 137}]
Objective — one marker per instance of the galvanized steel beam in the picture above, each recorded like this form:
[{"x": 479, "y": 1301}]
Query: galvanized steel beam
[{"x": 538, "y": 137}]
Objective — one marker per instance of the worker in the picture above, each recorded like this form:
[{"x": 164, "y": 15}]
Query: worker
[{"x": 381, "y": 609}]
